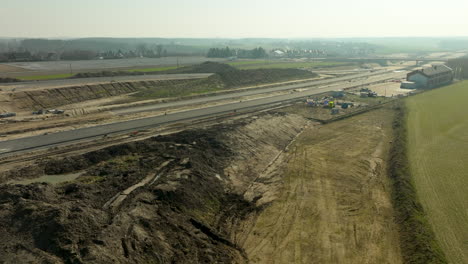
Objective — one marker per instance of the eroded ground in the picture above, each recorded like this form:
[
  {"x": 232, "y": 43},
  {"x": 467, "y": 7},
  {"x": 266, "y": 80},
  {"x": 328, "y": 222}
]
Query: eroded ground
[
  {"x": 333, "y": 205},
  {"x": 274, "y": 187}
]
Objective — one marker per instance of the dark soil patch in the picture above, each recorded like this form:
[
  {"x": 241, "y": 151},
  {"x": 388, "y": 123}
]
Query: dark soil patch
[{"x": 183, "y": 217}]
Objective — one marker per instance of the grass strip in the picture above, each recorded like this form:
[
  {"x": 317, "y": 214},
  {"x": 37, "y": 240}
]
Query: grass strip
[
  {"x": 46, "y": 77},
  {"x": 417, "y": 239}
]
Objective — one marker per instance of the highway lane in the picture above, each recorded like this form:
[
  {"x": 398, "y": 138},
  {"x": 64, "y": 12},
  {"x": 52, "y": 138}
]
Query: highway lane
[
  {"x": 42, "y": 141},
  {"x": 36, "y": 85},
  {"x": 369, "y": 76}
]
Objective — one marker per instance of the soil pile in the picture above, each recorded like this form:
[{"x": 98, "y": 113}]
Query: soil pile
[
  {"x": 224, "y": 77},
  {"x": 206, "y": 67},
  {"x": 168, "y": 199},
  {"x": 8, "y": 80},
  {"x": 51, "y": 98},
  {"x": 261, "y": 76}
]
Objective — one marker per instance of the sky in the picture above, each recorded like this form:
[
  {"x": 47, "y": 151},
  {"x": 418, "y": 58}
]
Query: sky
[{"x": 232, "y": 18}]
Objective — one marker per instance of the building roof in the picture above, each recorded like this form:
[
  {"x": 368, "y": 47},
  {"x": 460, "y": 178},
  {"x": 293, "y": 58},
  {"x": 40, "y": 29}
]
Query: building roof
[{"x": 434, "y": 70}]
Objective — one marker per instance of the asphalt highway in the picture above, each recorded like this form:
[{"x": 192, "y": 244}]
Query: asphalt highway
[
  {"x": 357, "y": 79},
  {"x": 45, "y": 141}
]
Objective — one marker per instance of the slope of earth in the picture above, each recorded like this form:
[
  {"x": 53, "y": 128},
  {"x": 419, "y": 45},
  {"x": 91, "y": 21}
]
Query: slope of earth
[
  {"x": 4, "y": 68},
  {"x": 50, "y": 98},
  {"x": 225, "y": 78},
  {"x": 168, "y": 199},
  {"x": 438, "y": 155},
  {"x": 333, "y": 201}
]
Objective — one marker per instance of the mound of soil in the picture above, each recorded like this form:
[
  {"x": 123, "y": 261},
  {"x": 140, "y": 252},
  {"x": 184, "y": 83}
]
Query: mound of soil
[
  {"x": 206, "y": 67},
  {"x": 186, "y": 213},
  {"x": 239, "y": 78},
  {"x": 105, "y": 74},
  {"x": 9, "y": 80}
]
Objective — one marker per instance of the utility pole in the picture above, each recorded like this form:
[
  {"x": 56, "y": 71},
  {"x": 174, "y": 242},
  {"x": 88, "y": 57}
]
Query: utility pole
[{"x": 71, "y": 71}]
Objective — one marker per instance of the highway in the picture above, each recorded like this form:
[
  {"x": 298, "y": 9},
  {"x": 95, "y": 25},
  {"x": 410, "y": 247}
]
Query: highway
[
  {"x": 44, "y": 141},
  {"x": 357, "y": 78},
  {"x": 37, "y": 85}
]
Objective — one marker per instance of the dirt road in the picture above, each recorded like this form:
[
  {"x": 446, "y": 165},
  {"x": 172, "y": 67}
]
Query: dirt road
[{"x": 334, "y": 203}]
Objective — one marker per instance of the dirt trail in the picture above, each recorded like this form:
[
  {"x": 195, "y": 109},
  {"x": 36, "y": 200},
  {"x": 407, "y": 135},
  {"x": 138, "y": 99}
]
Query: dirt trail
[{"x": 333, "y": 205}]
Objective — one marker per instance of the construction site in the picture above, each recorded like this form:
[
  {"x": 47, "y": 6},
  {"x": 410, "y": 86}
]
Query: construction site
[{"x": 205, "y": 165}]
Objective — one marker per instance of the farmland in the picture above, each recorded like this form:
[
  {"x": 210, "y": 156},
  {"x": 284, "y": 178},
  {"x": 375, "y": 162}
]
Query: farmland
[
  {"x": 46, "y": 77},
  {"x": 437, "y": 151}
]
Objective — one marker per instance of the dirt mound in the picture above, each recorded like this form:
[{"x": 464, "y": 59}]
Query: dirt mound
[
  {"x": 206, "y": 67},
  {"x": 261, "y": 76},
  {"x": 232, "y": 77},
  {"x": 226, "y": 78},
  {"x": 51, "y": 98},
  {"x": 183, "y": 209},
  {"x": 105, "y": 74},
  {"x": 8, "y": 80}
]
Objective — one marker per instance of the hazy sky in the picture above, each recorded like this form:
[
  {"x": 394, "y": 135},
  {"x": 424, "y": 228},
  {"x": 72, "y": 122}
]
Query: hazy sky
[{"x": 233, "y": 18}]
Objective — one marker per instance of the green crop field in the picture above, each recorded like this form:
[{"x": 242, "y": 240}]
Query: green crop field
[
  {"x": 45, "y": 77},
  {"x": 438, "y": 156}
]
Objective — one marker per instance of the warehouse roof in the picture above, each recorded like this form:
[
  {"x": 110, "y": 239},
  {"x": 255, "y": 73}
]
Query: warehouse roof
[{"x": 434, "y": 70}]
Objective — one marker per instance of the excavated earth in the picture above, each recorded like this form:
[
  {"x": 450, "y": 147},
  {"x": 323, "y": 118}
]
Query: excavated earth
[
  {"x": 178, "y": 198},
  {"x": 271, "y": 188}
]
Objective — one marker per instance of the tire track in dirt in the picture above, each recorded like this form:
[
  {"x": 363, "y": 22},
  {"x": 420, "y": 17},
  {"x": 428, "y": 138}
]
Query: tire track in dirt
[{"x": 334, "y": 204}]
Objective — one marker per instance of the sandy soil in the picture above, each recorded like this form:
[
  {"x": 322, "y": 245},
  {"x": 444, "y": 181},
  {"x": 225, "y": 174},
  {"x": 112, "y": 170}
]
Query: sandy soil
[
  {"x": 9, "y": 68},
  {"x": 333, "y": 203},
  {"x": 389, "y": 89}
]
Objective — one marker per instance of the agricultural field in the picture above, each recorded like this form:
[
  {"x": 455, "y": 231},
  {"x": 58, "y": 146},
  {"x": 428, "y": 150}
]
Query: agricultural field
[
  {"x": 46, "y": 77},
  {"x": 438, "y": 154}
]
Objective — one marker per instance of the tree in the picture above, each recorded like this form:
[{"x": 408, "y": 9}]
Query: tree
[
  {"x": 159, "y": 49},
  {"x": 141, "y": 49}
]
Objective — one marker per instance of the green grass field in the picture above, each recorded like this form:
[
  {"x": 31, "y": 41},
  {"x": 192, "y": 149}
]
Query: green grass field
[
  {"x": 438, "y": 155},
  {"x": 45, "y": 77}
]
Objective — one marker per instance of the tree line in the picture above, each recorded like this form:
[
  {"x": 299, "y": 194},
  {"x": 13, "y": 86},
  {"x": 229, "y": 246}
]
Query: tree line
[
  {"x": 460, "y": 67},
  {"x": 255, "y": 53}
]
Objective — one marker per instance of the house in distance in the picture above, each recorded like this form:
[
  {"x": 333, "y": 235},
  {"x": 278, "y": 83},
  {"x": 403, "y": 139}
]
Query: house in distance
[{"x": 429, "y": 77}]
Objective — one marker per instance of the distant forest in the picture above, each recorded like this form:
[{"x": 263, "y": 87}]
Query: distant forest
[
  {"x": 460, "y": 67},
  {"x": 14, "y": 50}
]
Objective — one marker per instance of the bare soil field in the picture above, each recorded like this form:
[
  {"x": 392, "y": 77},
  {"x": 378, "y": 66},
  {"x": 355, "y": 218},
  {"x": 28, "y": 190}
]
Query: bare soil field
[
  {"x": 438, "y": 154},
  {"x": 332, "y": 202},
  {"x": 5, "y": 68}
]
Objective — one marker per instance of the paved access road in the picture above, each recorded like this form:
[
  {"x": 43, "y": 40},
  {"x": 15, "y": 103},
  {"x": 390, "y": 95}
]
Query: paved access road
[
  {"x": 38, "y": 85},
  {"x": 43, "y": 141}
]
